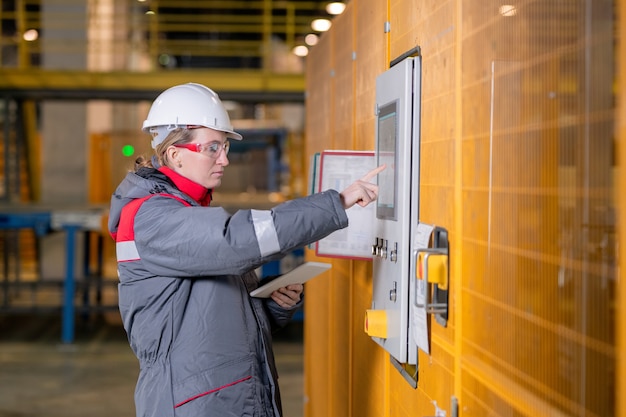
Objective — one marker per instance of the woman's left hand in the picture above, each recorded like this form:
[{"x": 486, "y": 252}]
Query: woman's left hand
[{"x": 288, "y": 296}]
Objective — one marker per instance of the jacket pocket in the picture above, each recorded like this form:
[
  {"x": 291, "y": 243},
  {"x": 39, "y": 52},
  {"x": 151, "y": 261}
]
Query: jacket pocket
[{"x": 225, "y": 390}]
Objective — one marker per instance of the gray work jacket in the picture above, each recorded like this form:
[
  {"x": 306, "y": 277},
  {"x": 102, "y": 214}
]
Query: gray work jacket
[{"x": 204, "y": 345}]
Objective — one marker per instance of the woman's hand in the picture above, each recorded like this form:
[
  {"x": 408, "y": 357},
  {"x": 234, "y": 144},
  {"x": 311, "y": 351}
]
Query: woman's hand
[
  {"x": 288, "y": 296},
  {"x": 361, "y": 192}
]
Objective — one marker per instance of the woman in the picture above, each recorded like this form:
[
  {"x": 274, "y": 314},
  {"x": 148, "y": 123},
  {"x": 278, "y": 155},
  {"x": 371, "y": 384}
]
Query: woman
[{"x": 186, "y": 269}]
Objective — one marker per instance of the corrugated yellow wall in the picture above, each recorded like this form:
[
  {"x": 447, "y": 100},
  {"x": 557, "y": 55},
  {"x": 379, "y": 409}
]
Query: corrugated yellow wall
[
  {"x": 518, "y": 163},
  {"x": 620, "y": 139}
]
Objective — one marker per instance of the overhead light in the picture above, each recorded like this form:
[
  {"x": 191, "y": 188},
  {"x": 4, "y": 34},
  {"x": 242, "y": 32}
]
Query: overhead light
[
  {"x": 508, "y": 10},
  {"x": 30, "y": 35},
  {"x": 300, "y": 50},
  {"x": 335, "y": 8},
  {"x": 311, "y": 39},
  {"x": 321, "y": 25}
]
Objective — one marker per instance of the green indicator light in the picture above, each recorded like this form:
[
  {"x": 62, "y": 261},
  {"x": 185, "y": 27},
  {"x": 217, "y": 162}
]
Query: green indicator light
[{"x": 128, "y": 150}]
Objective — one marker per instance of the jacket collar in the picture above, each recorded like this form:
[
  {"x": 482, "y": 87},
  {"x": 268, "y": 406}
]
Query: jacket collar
[{"x": 194, "y": 190}]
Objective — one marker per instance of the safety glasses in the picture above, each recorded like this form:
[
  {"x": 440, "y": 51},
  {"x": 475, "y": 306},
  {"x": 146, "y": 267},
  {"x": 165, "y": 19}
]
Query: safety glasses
[{"x": 212, "y": 149}]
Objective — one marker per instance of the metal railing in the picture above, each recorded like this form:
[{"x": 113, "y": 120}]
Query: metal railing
[{"x": 146, "y": 35}]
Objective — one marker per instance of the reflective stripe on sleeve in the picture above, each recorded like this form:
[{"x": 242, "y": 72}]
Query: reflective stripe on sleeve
[
  {"x": 126, "y": 251},
  {"x": 265, "y": 232}
]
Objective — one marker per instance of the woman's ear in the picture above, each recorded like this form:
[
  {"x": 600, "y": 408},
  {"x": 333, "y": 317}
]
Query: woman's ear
[
  {"x": 172, "y": 157},
  {"x": 172, "y": 152}
]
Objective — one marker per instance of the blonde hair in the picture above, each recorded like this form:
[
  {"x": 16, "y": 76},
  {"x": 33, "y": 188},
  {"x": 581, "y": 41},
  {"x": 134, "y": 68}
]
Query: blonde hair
[{"x": 178, "y": 135}]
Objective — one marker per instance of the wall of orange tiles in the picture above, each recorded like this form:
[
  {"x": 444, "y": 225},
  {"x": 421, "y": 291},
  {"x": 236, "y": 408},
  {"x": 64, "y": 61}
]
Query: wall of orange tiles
[
  {"x": 620, "y": 141},
  {"x": 518, "y": 146}
]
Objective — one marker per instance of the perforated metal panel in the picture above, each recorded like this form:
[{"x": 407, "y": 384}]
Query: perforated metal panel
[
  {"x": 539, "y": 217},
  {"x": 518, "y": 163}
]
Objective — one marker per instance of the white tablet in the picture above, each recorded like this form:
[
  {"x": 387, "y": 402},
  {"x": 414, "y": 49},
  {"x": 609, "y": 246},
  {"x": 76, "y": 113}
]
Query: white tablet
[{"x": 298, "y": 275}]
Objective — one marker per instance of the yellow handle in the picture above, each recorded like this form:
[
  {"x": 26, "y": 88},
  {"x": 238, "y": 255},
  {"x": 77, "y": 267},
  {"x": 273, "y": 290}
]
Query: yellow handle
[
  {"x": 376, "y": 323},
  {"x": 436, "y": 266}
]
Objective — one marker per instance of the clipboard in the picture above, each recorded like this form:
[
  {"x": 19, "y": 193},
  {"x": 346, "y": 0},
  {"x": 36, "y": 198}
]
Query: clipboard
[
  {"x": 338, "y": 169},
  {"x": 298, "y": 275}
]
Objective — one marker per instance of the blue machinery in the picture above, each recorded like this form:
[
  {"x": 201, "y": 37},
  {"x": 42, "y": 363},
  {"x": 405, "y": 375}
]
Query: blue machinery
[{"x": 42, "y": 223}]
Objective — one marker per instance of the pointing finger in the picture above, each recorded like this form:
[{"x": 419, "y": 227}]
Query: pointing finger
[{"x": 373, "y": 173}]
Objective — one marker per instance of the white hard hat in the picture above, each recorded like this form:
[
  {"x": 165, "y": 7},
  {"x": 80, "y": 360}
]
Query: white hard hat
[{"x": 187, "y": 105}]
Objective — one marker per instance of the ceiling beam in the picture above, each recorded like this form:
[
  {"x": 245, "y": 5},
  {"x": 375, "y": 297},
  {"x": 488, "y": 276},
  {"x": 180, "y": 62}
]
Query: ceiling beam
[{"x": 231, "y": 84}]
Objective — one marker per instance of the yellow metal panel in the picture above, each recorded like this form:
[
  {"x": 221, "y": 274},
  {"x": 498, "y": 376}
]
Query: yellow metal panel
[
  {"x": 99, "y": 175},
  {"x": 221, "y": 80},
  {"x": 620, "y": 392},
  {"x": 33, "y": 145},
  {"x": 338, "y": 331},
  {"x": 339, "y": 337},
  {"x": 343, "y": 47},
  {"x": 370, "y": 61},
  {"x": 369, "y": 361},
  {"x": 402, "y": 19},
  {"x": 523, "y": 323},
  {"x": 316, "y": 364},
  {"x": 319, "y": 113},
  {"x": 516, "y": 158},
  {"x": 317, "y": 311}
]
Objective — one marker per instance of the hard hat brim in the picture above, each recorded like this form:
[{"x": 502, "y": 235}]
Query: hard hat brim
[{"x": 232, "y": 134}]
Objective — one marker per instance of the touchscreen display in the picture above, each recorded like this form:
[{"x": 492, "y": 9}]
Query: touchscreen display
[{"x": 387, "y": 151}]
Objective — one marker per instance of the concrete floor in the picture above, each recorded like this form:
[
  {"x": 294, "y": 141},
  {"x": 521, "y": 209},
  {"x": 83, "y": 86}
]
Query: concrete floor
[{"x": 95, "y": 376}]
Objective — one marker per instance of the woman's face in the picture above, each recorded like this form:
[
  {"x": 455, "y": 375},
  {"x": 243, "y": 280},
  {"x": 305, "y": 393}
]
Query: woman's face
[{"x": 205, "y": 168}]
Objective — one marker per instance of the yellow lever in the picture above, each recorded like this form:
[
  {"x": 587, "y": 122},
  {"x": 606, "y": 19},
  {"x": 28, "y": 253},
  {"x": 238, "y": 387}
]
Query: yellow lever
[
  {"x": 436, "y": 267},
  {"x": 376, "y": 323}
]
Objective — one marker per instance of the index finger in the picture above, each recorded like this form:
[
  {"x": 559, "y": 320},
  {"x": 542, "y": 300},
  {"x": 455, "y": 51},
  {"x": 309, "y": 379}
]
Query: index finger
[
  {"x": 374, "y": 172},
  {"x": 295, "y": 287}
]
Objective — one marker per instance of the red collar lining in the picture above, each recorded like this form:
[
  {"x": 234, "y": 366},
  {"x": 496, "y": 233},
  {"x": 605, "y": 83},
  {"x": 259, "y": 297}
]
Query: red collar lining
[{"x": 194, "y": 190}]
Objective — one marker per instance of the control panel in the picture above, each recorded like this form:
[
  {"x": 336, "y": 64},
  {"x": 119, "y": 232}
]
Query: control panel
[{"x": 398, "y": 94}]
